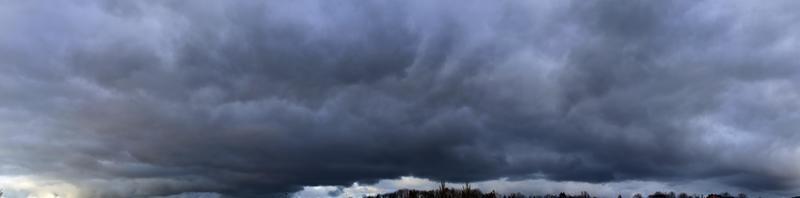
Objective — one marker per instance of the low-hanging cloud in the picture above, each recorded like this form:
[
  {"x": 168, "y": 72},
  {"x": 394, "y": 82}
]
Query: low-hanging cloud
[{"x": 245, "y": 98}]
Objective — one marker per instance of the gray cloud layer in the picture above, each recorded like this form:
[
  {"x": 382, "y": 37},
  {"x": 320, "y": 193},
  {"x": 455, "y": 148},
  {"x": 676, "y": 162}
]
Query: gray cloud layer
[{"x": 251, "y": 98}]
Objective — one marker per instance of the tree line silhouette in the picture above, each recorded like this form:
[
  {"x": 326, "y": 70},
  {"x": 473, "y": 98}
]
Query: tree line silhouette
[{"x": 468, "y": 192}]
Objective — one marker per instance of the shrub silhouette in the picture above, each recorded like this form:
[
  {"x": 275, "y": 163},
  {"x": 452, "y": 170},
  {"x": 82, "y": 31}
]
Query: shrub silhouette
[{"x": 468, "y": 192}]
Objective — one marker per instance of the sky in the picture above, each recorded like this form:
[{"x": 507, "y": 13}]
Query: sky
[{"x": 343, "y": 98}]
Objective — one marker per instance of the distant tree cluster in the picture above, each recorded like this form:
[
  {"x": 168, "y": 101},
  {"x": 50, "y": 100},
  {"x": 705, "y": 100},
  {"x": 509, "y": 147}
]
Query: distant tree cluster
[
  {"x": 468, "y": 192},
  {"x": 684, "y": 195}
]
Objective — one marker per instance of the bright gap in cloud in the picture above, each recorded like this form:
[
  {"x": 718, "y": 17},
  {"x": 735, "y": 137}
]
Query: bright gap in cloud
[{"x": 29, "y": 187}]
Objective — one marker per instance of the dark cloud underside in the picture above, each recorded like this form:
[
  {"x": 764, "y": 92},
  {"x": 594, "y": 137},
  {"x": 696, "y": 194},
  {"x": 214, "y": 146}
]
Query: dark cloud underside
[{"x": 253, "y": 98}]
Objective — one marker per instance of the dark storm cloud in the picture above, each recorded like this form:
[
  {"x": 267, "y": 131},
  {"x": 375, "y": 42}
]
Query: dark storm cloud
[{"x": 252, "y": 98}]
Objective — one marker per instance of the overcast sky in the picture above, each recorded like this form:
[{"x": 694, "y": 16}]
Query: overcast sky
[{"x": 258, "y": 98}]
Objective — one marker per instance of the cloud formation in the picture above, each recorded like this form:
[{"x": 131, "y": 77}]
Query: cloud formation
[{"x": 249, "y": 98}]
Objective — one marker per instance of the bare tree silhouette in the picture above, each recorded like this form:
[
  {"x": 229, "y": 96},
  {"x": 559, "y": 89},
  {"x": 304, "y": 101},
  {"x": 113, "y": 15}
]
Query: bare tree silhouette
[{"x": 469, "y": 192}]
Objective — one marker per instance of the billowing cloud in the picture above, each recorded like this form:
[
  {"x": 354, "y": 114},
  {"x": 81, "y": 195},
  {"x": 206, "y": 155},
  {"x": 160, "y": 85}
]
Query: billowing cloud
[{"x": 243, "y": 98}]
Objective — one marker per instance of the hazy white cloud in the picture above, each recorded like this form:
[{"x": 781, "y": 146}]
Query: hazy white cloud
[
  {"x": 527, "y": 187},
  {"x": 34, "y": 187}
]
